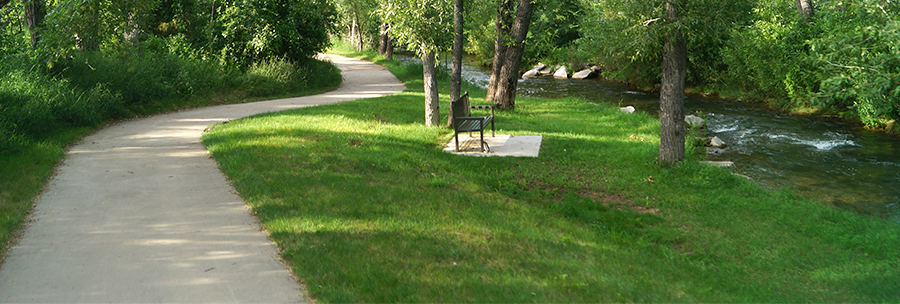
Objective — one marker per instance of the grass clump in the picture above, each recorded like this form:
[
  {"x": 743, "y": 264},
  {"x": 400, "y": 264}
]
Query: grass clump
[{"x": 367, "y": 208}]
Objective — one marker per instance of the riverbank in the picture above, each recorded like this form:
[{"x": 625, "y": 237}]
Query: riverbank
[
  {"x": 732, "y": 94},
  {"x": 823, "y": 158},
  {"x": 367, "y": 208}
]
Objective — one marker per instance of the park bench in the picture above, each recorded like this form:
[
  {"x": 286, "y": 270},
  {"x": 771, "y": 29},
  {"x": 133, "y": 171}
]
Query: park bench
[{"x": 463, "y": 121}]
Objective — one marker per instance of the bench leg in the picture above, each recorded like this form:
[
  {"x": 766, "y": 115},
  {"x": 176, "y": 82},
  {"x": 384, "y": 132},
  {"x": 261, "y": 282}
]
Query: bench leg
[
  {"x": 492, "y": 128},
  {"x": 482, "y": 140},
  {"x": 456, "y": 136}
]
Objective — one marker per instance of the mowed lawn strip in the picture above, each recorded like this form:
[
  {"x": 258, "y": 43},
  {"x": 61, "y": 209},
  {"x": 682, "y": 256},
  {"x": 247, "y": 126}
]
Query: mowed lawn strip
[{"x": 367, "y": 208}]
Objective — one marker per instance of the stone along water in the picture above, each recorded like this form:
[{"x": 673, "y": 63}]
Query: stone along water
[{"x": 824, "y": 160}]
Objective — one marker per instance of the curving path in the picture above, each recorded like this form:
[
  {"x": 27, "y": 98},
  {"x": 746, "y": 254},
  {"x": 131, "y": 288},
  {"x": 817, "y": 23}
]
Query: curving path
[{"x": 138, "y": 212}]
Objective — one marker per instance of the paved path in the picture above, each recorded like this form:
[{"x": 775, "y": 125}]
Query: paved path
[{"x": 138, "y": 212}]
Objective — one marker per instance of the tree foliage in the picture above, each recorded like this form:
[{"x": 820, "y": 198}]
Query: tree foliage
[
  {"x": 236, "y": 32},
  {"x": 423, "y": 25},
  {"x": 844, "y": 58},
  {"x": 627, "y": 36},
  {"x": 253, "y": 30}
]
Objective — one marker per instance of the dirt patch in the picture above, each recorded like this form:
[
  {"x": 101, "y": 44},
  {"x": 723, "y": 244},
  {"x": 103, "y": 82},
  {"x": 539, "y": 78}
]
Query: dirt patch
[{"x": 618, "y": 202}]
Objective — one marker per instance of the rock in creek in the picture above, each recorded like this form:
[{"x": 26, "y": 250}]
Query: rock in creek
[
  {"x": 726, "y": 164},
  {"x": 584, "y": 74},
  {"x": 537, "y": 70},
  {"x": 713, "y": 151},
  {"x": 693, "y": 121},
  {"x": 716, "y": 142}
]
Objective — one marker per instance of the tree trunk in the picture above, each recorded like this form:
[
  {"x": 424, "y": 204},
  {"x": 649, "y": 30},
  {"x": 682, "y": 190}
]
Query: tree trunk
[
  {"x": 806, "y": 8},
  {"x": 505, "y": 93},
  {"x": 389, "y": 52},
  {"x": 359, "y": 34},
  {"x": 132, "y": 32},
  {"x": 671, "y": 97},
  {"x": 456, "y": 68},
  {"x": 383, "y": 41},
  {"x": 431, "y": 92},
  {"x": 35, "y": 11},
  {"x": 504, "y": 24}
]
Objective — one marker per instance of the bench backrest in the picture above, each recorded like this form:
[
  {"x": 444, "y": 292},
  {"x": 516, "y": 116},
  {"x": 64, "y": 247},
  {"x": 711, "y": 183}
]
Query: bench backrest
[{"x": 460, "y": 106}]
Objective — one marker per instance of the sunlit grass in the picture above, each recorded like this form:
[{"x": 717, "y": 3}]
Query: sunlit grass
[{"x": 367, "y": 208}]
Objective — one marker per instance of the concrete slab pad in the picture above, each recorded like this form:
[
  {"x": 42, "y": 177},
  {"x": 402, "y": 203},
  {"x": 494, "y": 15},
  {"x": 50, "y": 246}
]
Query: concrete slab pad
[{"x": 500, "y": 145}]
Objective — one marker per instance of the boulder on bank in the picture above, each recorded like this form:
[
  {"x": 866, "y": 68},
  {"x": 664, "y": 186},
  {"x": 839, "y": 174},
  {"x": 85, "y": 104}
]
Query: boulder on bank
[
  {"x": 584, "y": 74},
  {"x": 561, "y": 73},
  {"x": 531, "y": 73},
  {"x": 545, "y": 70},
  {"x": 538, "y": 70}
]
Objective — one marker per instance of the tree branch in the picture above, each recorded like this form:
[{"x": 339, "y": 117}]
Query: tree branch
[
  {"x": 646, "y": 23},
  {"x": 847, "y": 66}
]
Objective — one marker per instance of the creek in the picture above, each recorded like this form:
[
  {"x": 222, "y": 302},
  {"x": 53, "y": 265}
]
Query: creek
[{"x": 825, "y": 160}]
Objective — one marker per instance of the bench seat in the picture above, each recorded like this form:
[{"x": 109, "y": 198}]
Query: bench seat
[{"x": 464, "y": 122}]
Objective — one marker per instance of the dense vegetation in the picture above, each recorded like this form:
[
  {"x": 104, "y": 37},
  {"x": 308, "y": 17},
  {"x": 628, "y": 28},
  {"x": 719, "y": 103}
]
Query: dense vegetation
[
  {"x": 843, "y": 59},
  {"x": 87, "y": 63},
  {"x": 367, "y": 208}
]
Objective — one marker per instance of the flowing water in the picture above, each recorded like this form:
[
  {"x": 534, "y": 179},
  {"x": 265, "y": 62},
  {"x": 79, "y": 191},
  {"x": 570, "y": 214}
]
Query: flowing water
[{"x": 825, "y": 160}]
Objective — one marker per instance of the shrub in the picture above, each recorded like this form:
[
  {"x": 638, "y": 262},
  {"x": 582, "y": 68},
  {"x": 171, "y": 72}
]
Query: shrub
[
  {"x": 280, "y": 75},
  {"x": 35, "y": 105}
]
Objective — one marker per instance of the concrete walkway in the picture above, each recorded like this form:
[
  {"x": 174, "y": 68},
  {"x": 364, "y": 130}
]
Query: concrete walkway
[{"x": 138, "y": 212}]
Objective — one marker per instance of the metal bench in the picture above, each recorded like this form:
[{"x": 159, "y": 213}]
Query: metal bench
[{"x": 463, "y": 121}]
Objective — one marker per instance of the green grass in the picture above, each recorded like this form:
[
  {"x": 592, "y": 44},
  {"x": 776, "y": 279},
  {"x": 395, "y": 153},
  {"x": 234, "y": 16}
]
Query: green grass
[{"x": 367, "y": 208}]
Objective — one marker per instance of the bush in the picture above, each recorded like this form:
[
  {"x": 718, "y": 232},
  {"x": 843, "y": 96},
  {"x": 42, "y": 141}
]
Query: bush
[
  {"x": 35, "y": 105},
  {"x": 844, "y": 59},
  {"x": 770, "y": 57},
  {"x": 252, "y": 31},
  {"x": 279, "y": 76},
  {"x": 91, "y": 88},
  {"x": 859, "y": 60}
]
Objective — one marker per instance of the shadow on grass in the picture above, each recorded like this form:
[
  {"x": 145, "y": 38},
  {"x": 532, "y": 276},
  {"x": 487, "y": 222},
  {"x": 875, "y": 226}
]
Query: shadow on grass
[{"x": 368, "y": 209}]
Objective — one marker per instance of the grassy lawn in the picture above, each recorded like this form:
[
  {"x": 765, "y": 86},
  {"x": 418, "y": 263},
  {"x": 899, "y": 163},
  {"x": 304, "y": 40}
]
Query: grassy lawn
[{"x": 367, "y": 208}]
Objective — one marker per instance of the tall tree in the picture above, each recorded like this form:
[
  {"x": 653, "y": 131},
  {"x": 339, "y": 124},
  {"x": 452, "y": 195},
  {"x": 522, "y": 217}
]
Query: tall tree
[
  {"x": 456, "y": 65},
  {"x": 423, "y": 26},
  {"x": 432, "y": 100},
  {"x": 805, "y": 7},
  {"x": 656, "y": 40},
  {"x": 503, "y": 23},
  {"x": 671, "y": 97},
  {"x": 361, "y": 24},
  {"x": 505, "y": 93}
]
